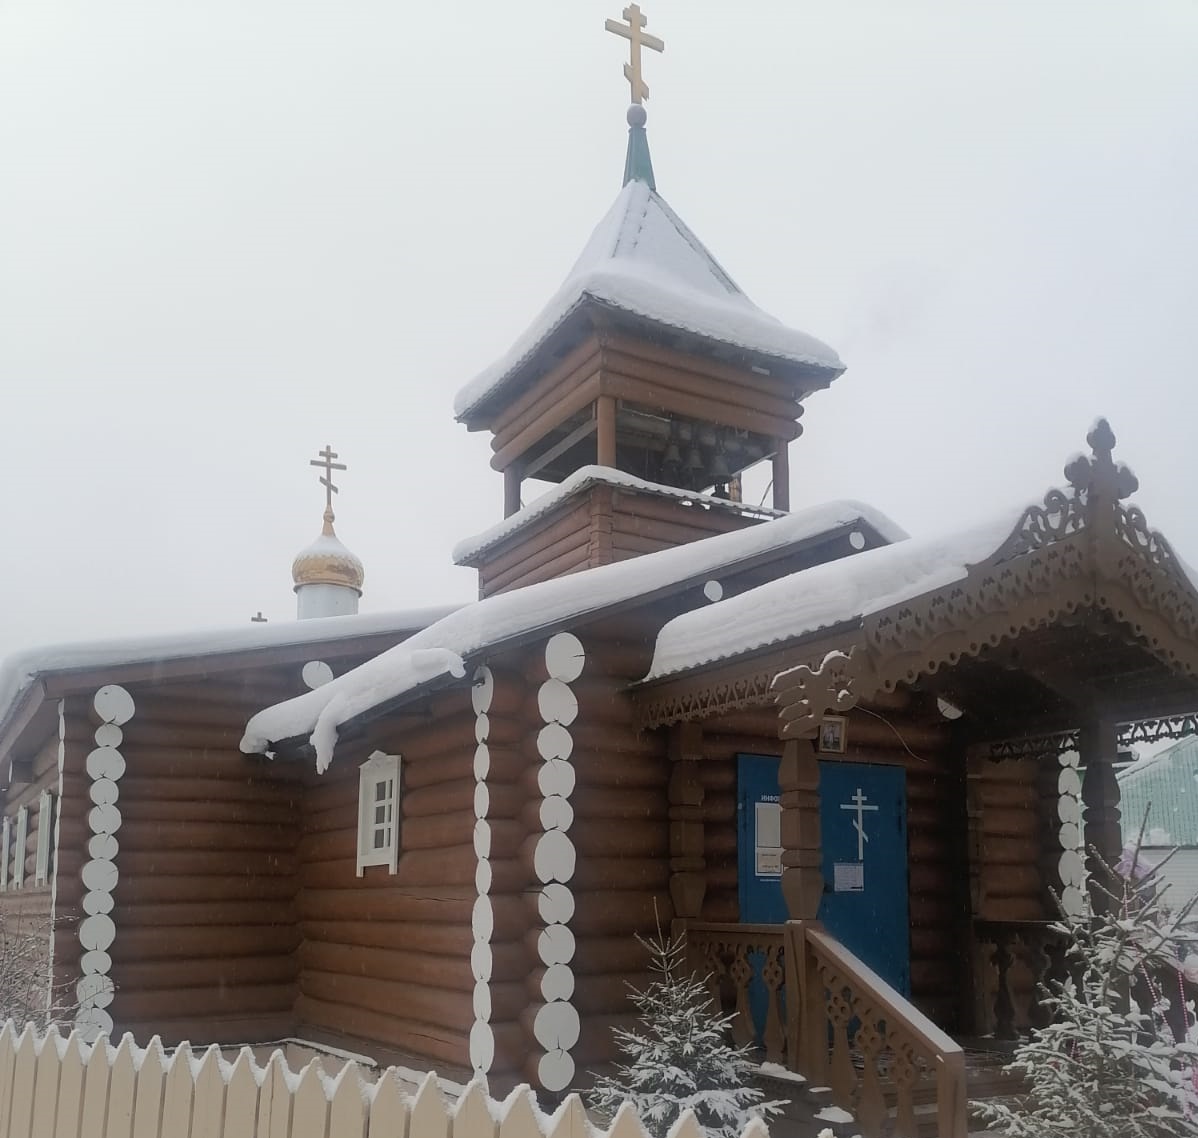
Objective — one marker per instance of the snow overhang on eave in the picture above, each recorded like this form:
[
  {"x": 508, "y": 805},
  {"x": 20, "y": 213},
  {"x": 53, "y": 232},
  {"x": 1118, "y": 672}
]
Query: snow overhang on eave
[
  {"x": 300, "y": 744},
  {"x": 590, "y": 313}
]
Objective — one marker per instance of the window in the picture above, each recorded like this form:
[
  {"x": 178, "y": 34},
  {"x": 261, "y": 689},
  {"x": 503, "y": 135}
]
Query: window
[
  {"x": 45, "y": 823},
  {"x": 378, "y": 812},
  {"x": 18, "y": 853},
  {"x": 5, "y": 835}
]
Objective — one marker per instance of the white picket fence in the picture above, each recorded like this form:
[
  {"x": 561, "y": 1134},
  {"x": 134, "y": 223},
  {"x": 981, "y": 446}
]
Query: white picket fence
[{"x": 55, "y": 1087}]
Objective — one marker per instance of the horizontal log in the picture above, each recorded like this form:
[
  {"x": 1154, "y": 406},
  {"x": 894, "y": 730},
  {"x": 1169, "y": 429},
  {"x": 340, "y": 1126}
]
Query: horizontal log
[
  {"x": 231, "y": 973},
  {"x": 1012, "y": 909},
  {"x": 433, "y": 1005},
  {"x": 419, "y": 906},
  {"x": 447, "y": 945},
  {"x": 171, "y": 943},
  {"x": 1010, "y": 823},
  {"x": 998, "y": 850},
  {"x": 1004, "y": 795},
  {"x": 595, "y": 873},
  {"x": 621, "y": 802},
  {"x": 687, "y": 381},
  {"x": 566, "y": 375},
  {"x": 719, "y": 841},
  {"x": 721, "y": 908},
  {"x": 146, "y": 889},
  {"x": 151, "y": 790},
  {"x": 434, "y": 1040},
  {"x": 140, "y": 808},
  {"x": 261, "y": 999},
  {"x": 620, "y": 912},
  {"x": 613, "y": 839},
  {"x": 201, "y": 1031},
  {"x": 436, "y": 969},
  {"x": 200, "y": 912},
  {"x": 227, "y": 837},
  {"x": 1012, "y": 881},
  {"x": 184, "y": 864},
  {"x": 557, "y": 535}
]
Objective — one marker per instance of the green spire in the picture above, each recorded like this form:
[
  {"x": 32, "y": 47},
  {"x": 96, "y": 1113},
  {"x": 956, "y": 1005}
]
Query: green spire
[{"x": 638, "y": 166}]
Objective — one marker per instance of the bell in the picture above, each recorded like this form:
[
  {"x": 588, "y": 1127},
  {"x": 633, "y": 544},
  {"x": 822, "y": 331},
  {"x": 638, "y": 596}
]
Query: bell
[
  {"x": 673, "y": 455},
  {"x": 719, "y": 467},
  {"x": 694, "y": 460}
]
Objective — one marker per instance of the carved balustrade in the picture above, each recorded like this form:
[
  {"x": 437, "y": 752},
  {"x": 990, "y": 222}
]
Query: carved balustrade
[
  {"x": 745, "y": 970},
  {"x": 1039, "y": 948},
  {"x": 853, "y": 1032}
]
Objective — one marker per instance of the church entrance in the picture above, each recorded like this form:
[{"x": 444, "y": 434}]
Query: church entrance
[{"x": 863, "y": 824}]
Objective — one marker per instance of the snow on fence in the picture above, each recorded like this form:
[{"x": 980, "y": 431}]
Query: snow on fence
[{"x": 53, "y": 1087}]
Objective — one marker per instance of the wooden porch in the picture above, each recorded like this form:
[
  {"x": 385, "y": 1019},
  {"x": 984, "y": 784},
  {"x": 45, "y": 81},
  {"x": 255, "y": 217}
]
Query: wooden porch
[{"x": 1075, "y": 637}]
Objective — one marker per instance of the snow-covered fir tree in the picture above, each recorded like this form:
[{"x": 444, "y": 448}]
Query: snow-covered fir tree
[
  {"x": 680, "y": 1059},
  {"x": 1120, "y": 1057}
]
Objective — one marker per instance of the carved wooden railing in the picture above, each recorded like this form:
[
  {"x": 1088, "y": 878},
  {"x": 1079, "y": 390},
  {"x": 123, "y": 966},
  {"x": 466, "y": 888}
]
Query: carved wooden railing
[
  {"x": 851, "y": 1031},
  {"x": 1040, "y": 948},
  {"x": 743, "y": 965}
]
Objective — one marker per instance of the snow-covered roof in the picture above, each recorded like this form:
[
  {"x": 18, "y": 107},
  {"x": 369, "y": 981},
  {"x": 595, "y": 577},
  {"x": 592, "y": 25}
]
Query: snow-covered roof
[
  {"x": 823, "y": 596},
  {"x": 21, "y": 669},
  {"x": 587, "y": 476},
  {"x": 441, "y": 648},
  {"x": 643, "y": 259}
]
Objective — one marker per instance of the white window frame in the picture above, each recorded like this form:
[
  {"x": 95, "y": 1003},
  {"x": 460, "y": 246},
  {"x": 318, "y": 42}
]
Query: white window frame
[
  {"x": 379, "y": 772},
  {"x": 5, "y": 833},
  {"x": 18, "y": 860},
  {"x": 45, "y": 827}
]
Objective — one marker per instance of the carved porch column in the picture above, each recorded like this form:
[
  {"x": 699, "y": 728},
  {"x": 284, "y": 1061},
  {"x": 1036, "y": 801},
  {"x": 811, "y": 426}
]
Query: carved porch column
[
  {"x": 688, "y": 865},
  {"x": 1098, "y": 748},
  {"x": 802, "y": 878}
]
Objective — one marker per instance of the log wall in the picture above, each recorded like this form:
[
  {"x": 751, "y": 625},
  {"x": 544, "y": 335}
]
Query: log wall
[
  {"x": 386, "y": 957},
  {"x": 598, "y": 526},
  {"x": 1012, "y": 808},
  {"x": 204, "y": 907},
  {"x": 620, "y": 831}
]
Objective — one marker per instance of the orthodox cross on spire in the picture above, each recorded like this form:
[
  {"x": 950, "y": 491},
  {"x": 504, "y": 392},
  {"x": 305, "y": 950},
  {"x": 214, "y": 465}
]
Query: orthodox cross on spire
[
  {"x": 637, "y": 37},
  {"x": 326, "y": 479}
]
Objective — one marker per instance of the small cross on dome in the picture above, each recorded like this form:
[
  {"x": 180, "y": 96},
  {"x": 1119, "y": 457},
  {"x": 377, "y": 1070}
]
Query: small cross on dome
[{"x": 326, "y": 479}]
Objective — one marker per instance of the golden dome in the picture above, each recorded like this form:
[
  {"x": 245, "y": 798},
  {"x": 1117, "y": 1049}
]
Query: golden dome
[{"x": 327, "y": 562}]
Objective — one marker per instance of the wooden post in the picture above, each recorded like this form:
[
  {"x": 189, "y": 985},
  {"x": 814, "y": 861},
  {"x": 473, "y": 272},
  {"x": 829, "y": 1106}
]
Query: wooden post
[
  {"x": 1098, "y": 748},
  {"x": 688, "y": 865},
  {"x": 605, "y": 442},
  {"x": 802, "y": 878},
  {"x": 511, "y": 489},
  {"x": 781, "y": 464}
]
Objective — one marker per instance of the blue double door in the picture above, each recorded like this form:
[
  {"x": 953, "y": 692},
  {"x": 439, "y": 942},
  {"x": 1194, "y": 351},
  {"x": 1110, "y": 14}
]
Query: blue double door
[{"x": 863, "y": 823}]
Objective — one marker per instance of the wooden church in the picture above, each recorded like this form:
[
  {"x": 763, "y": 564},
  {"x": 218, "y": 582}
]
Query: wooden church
[{"x": 849, "y": 766}]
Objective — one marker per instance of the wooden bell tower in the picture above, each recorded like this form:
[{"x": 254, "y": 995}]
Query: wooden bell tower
[{"x": 645, "y": 387}]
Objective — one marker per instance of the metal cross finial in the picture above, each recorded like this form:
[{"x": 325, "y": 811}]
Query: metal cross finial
[
  {"x": 633, "y": 31},
  {"x": 326, "y": 480}
]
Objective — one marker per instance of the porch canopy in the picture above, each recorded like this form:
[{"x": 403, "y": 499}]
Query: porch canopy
[{"x": 1066, "y": 624}]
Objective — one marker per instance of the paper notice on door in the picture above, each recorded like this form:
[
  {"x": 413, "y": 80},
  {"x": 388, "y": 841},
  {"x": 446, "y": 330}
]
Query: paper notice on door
[
  {"x": 848, "y": 877},
  {"x": 769, "y": 863},
  {"x": 768, "y": 839}
]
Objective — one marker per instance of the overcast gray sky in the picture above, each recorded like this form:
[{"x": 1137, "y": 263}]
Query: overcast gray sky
[{"x": 234, "y": 231}]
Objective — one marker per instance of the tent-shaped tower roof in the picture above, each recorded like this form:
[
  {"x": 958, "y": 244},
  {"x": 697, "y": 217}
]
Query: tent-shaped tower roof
[{"x": 642, "y": 260}]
